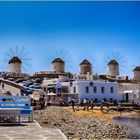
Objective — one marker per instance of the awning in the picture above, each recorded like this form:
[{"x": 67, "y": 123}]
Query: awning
[{"x": 128, "y": 91}]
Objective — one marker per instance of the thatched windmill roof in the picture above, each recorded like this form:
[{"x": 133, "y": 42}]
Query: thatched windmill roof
[
  {"x": 15, "y": 59},
  {"x": 85, "y": 62}
]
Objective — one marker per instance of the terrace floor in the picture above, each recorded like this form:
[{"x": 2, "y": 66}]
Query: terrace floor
[{"x": 30, "y": 131}]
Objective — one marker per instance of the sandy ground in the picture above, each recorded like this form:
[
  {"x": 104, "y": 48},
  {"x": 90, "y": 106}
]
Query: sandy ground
[{"x": 103, "y": 116}]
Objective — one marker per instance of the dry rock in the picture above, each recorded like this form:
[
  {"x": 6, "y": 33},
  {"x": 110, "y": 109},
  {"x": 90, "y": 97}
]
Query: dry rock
[{"x": 86, "y": 127}]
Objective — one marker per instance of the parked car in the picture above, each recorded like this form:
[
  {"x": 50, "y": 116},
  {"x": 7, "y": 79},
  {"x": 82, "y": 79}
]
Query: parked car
[
  {"x": 27, "y": 84},
  {"x": 35, "y": 86},
  {"x": 19, "y": 80},
  {"x": 38, "y": 80},
  {"x": 22, "y": 83},
  {"x": 11, "y": 79},
  {"x": 26, "y": 90}
]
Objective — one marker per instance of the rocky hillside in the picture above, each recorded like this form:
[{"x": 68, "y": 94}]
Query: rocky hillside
[{"x": 86, "y": 127}]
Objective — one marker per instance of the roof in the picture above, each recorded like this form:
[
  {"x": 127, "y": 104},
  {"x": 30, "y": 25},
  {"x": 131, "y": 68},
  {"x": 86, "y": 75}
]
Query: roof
[
  {"x": 58, "y": 60},
  {"x": 85, "y": 61},
  {"x": 137, "y": 68},
  {"x": 15, "y": 59},
  {"x": 113, "y": 61}
]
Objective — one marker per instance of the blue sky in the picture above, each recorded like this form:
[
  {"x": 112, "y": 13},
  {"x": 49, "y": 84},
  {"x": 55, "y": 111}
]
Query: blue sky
[{"x": 75, "y": 30}]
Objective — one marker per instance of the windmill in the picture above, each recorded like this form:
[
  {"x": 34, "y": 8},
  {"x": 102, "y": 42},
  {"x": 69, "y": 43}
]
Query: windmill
[
  {"x": 115, "y": 63},
  {"x": 17, "y": 60},
  {"x": 66, "y": 57},
  {"x": 136, "y": 70}
]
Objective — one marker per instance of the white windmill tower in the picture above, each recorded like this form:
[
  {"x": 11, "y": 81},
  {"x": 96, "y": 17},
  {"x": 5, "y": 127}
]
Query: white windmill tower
[
  {"x": 115, "y": 64},
  {"x": 17, "y": 60},
  {"x": 85, "y": 67}
]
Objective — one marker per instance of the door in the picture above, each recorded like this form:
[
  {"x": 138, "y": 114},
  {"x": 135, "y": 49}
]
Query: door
[{"x": 127, "y": 97}]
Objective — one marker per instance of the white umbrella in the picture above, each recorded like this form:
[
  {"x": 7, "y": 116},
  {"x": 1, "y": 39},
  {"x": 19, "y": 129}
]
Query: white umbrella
[
  {"x": 51, "y": 94},
  {"x": 35, "y": 97}
]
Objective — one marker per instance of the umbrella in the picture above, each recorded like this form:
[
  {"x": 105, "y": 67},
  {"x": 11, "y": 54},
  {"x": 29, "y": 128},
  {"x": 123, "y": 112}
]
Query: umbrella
[
  {"x": 35, "y": 97},
  {"x": 58, "y": 86},
  {"x": 51, "y": 94}
]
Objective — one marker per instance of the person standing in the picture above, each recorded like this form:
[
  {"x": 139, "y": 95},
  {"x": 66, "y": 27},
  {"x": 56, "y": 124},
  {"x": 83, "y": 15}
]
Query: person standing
[
  {"x": 42, "y": 102},
  {"x": 61, "y": 101},
  {"x": 85, "y": 104},
  {"x": 88, "y": 104},
  {"x": 69, "y": 100},
  {"x": 73, "y": 104},
  {"x": 119, "y": 108},
  {"x": 92, "y": 105},
  {"x": 2, "y": 86}
]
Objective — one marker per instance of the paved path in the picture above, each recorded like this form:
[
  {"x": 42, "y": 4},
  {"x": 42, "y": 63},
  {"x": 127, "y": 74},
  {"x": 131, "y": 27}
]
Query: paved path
[{"x": 30, "y": 131}]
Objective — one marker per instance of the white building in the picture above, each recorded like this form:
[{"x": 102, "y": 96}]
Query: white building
[
  {"x": 49, "y": 84},
  {"x": 97, "y": 90},
  {"x": 130, "y": 92}
]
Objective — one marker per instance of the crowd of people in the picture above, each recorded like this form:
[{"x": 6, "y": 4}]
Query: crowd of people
[{"x": 77, "y": 104}]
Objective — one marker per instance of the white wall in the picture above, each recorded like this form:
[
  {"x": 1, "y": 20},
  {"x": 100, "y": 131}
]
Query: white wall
[
  {"x": 58, "y": 67},
  {"x": 136, "y": 75},
  {"x": 113, "y": 70},
  {"x": 81, "y": 90},
  {"x": 8, "y": 87},
  {"x": 15, "y": 67},
  {"x": 134, "y": 91}
]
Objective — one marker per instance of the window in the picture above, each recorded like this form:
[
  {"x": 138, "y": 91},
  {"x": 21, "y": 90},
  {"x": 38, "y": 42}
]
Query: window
[
  {"x": 94, "y": 89},
  {"x": 111, "y": 89},
  {"x": 91, "y": 84},
  {"x": 87, "y": 89},
  {"x": 111, "y": 100},
  {"x": 74, "y": 89},
  {"x": 102, "y": 89},
  {"x": 45, "y": 89},
  {"x": 71, "y": 84}
]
